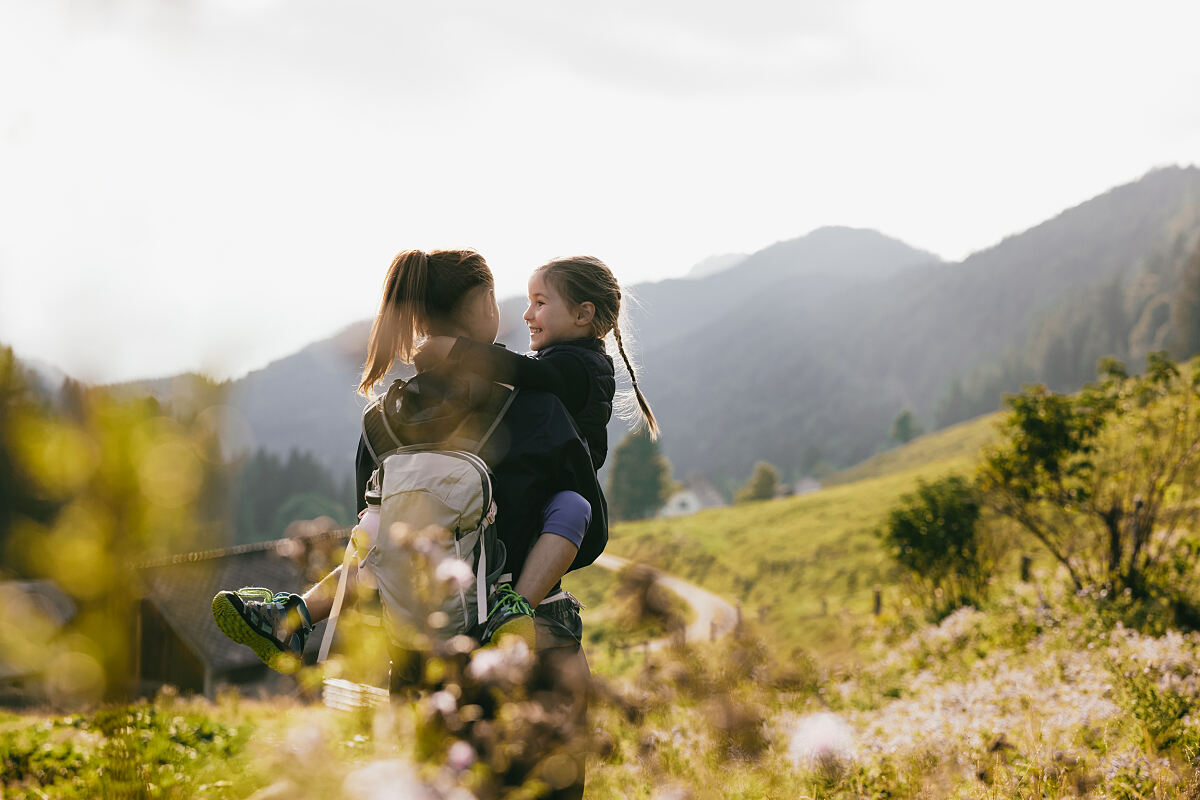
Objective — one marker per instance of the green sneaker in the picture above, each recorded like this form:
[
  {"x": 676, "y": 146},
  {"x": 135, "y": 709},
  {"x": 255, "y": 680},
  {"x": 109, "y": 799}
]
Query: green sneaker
[
  {"x": 274, "y": 625},
  {"x": 510, "y": 615}
]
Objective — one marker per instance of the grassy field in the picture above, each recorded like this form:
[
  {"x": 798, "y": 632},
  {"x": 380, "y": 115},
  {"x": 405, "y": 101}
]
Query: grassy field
[
  {"x": 1035, "y": 695},
  {"x": 805, "y": 567},
  {"x": 953, "y": 447},
  {"x": 1014, "y": 702}
]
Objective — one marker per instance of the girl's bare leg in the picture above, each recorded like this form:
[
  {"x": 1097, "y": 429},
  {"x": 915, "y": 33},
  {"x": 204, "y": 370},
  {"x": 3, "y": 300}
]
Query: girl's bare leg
[
  {"x": 545, "y": 565},
  {"x": 319, "y": 599}
]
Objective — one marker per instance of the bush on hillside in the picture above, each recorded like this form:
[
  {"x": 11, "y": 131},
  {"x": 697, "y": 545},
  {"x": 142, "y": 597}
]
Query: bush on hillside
[
  {"x": 935, "y": 535},
  {"x": 1108, "y": 481},
  {"x": 763, "y": 484}
]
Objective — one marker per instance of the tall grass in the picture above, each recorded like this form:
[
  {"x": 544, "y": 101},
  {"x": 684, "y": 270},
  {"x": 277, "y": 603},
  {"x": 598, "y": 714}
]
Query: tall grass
[
  {"x": 805, "y": 567},
  {"x": 1035, "y": 695}
]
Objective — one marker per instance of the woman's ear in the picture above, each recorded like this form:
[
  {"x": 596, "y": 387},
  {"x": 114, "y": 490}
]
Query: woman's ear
[{"x": 585, "y": 312}]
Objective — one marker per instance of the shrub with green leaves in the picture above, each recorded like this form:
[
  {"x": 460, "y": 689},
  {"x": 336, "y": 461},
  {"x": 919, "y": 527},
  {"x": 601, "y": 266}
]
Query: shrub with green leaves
[
  {"x": 934, "y": 534},
  {"x": 1107, "y": 481},
  {"x": 763, "y": 484}
]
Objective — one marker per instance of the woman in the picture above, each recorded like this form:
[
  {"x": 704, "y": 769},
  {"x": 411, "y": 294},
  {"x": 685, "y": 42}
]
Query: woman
[{"x": 534, "y": 453}]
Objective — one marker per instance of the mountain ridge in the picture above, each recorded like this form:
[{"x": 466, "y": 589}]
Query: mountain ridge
[{"x": 803, "y": 352}]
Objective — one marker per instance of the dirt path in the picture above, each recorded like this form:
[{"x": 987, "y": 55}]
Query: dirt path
[{"x": 715, "y": 617}]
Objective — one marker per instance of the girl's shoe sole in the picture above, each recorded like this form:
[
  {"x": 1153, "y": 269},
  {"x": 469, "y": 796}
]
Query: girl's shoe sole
[
  {"x": 521, "y": 627},
  {"x": 231, "y": 623}
]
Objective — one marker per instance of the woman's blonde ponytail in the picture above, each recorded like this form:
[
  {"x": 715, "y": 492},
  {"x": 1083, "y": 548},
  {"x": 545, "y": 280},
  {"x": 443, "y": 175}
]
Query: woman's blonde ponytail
[
  {"x": 420, "y": 288},
  {"x": 394, "y": 333}
]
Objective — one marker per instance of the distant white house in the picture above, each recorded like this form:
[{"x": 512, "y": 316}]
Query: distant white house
[
  {"x": 697, "y": 494},
  {"x": 806, "y": 485}
]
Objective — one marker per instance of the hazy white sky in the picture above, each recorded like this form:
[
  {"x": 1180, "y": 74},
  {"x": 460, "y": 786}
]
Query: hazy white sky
[{"x": 212, "y": 184}]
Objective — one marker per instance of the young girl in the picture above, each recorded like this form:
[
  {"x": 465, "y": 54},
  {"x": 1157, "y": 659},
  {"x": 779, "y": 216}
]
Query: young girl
[{"x": 573, "y": 304}]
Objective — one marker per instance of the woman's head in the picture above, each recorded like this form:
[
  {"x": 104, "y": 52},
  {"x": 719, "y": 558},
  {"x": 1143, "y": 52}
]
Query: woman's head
[
  {"x": 590, "y": 300},
  {"x": 442, "y": 292}
]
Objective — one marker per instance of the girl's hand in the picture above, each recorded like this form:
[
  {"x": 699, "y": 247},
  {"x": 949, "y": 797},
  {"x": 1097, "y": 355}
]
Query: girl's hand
[{"x": 437, "y": 347}]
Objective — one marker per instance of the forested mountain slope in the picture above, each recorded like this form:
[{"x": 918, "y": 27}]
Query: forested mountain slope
[
  {"x": 805, "y": 369},
  {"x": 804, "y": 352}
]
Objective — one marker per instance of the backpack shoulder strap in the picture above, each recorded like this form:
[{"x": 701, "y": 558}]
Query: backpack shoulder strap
[
  {"x": 377, "y": 432},
  {"x": 508, "y": 401},
  {"x": 466, "y": 437},
  {"x": 338, "y": 597}
]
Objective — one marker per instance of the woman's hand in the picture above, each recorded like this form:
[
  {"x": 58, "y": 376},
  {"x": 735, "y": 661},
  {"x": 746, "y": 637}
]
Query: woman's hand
[{"x": 436, "y": 347}]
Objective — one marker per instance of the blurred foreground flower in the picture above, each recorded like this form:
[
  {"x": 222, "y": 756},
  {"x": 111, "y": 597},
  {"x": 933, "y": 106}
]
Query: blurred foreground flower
[
  {"x": 507, "y": 664},
  {"x": 454, "y": 571},
  {"x": 460, "y": 756},
  {"x": 821, "y": 741},
  {"x": 390, "y": 779},
  {"x": 307, "y": 740}
]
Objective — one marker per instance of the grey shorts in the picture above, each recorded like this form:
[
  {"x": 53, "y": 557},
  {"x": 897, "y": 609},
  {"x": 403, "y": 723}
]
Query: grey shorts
[{"x": 559, "y": 624}]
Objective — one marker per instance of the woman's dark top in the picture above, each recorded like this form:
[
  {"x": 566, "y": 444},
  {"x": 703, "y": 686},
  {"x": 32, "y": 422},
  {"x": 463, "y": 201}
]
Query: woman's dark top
[
  {"x": 579, "y": 372},
  {"x": 534, "y": 453}
]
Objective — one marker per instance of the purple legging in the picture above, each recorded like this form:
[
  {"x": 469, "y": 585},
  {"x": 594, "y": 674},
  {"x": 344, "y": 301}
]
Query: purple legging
[{"x": 567, "y": 515}]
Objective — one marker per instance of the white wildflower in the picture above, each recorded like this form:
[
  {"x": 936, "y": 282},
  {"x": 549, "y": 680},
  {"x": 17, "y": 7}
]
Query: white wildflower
[
  {"x": 820, "y": 740},
  {"x": 508, "y": 663},
  {"x": 454, "y": 571},
  {"x": 444, "y": 702},
  {"x": 390, "y": 779},
  {"x": 306, "y": 740}
]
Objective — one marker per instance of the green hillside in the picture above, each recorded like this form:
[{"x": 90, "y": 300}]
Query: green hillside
[
  {"x": 805, "y": 566},
  {"x": 1039, "y": 692},
  {"x": 939, "y": 451},
  {"x": 806, "y": 351}
]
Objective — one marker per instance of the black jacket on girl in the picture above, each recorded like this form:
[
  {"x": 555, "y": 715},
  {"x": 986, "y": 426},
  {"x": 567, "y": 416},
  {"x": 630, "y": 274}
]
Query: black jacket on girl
[{"x": 578, "y": 372}]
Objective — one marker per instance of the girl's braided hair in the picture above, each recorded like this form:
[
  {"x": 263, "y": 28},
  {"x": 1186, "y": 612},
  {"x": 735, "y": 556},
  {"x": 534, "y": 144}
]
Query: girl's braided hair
[{"x": 587, "y": 279}]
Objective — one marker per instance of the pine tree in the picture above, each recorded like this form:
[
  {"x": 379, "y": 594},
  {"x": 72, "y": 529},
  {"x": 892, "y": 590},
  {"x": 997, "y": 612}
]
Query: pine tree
[
  {"x": 266, "y": 483},
  {"x": 906, "y": 428},
  {"x": 640, "y": 479}
]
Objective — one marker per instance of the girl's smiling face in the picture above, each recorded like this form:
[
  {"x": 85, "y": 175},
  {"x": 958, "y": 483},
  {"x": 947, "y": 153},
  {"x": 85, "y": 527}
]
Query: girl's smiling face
[{"x": 552, "y": 318}]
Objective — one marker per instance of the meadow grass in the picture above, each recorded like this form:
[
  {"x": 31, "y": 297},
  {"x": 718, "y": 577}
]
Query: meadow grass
[
  {"x": 1016, "y": 701},
  {"x": 612, "y": 622},
  {"x": 1035, "y": 695},
  {"x": 806, "y": 567}
]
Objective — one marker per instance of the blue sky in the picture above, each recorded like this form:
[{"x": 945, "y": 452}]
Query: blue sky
[{"x": 211, "y": 184}]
